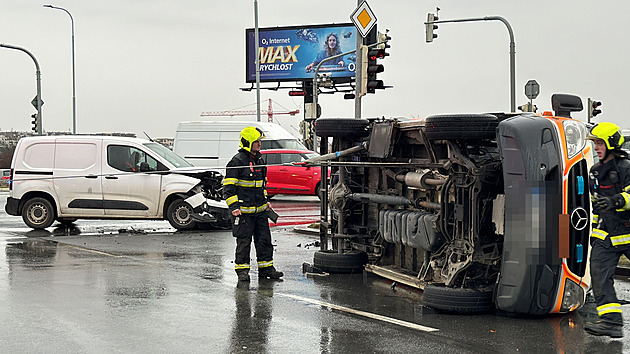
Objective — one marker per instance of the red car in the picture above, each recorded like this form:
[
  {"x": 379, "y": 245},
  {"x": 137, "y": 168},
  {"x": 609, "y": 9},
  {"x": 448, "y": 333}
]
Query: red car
[
  {"x": 4, "y": 181},
  {"x": 282, "y": 178}
]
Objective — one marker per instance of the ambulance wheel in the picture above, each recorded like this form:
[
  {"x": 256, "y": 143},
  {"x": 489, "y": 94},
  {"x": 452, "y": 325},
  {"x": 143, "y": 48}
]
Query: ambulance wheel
[
  {"x": 461, "y": 126},
  {"x": 333, "y": 262},
  {"x": 38, "y": 213},
  {"x": 179, "y": 215},
  {"x": 459, "y": 300},
  {"x": 341, "y": 127}
]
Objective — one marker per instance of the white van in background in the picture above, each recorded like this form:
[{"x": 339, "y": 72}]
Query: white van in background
[
  {"x": 213, "y": 143},
  {"x": 66, "y": 178}
]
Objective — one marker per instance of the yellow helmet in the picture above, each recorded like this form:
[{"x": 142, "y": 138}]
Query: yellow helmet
[
  {"x": 249, "y": 135},
  {"x": 609, "y": 133}
]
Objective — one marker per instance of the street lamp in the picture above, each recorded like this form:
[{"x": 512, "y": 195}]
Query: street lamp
[{"x": 74, "y": 95}]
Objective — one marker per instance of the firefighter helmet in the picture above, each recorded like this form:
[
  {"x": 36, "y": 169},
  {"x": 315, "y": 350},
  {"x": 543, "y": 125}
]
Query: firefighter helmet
[
  {"x": 609, "y": 133},
  {"x": 249, "y": 135}
]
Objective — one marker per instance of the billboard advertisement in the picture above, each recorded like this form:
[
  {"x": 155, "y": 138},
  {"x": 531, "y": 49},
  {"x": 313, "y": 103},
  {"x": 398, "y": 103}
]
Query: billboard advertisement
[{"x": 292, "y": 53}]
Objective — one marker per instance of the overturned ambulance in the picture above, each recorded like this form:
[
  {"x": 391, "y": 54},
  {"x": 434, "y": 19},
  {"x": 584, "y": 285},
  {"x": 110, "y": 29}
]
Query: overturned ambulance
[{"x": 481, "y": 211}]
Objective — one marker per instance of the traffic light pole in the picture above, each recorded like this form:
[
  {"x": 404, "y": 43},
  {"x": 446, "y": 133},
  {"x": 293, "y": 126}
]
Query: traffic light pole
[
  {"x": 512, "y": 50},
  {"x": 358, "y": 76},
  {"x": 39, "y": 85},
  {"x": 315, "y": 88}
]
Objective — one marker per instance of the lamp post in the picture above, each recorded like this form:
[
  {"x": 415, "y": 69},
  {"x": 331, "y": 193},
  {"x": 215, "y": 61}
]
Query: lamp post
[{"x": 74, "y": 92}]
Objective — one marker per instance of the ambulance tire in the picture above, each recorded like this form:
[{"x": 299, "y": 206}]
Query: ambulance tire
[
  {"x": 458, "y": 300},
  {"x": 341, "y": 127},
  {"x": 461, "y": 127},
  {"x": 331, "y": 261}
]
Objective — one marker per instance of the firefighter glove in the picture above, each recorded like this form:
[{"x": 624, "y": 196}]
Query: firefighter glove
[{"x": 605, "y": 203}]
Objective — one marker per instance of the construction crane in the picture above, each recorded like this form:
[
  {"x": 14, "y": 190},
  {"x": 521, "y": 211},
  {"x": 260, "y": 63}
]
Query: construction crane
[{"x": 270, "y": 113}]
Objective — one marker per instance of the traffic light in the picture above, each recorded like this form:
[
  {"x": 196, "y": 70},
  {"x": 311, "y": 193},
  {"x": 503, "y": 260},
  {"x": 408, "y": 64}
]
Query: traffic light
[
  {"x": 35, "y": 123},
  {"x": 374, "y": 68},
  {"x": 431, "y": 27},
  {"x": 383, "y": 40},
  {"x": 593, "y": 109},
  {"x": 375, "y": 46},
  {"x": 528, "y": 107}
]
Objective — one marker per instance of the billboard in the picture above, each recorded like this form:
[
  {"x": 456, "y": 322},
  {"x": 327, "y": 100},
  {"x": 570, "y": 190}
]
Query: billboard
[{"x": 292, "y": 53}]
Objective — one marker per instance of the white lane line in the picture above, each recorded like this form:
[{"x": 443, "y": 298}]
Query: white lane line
[
  {"x": 89, "y": 250},
  {"x": 363, "y": 313}
]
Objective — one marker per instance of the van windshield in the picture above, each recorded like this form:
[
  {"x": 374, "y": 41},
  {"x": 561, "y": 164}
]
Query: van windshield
[
  {"x": 168, "y": 155},
  {"x": 292, "y": 144}
]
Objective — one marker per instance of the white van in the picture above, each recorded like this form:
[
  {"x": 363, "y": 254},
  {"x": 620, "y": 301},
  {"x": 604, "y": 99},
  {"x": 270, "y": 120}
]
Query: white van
[
  {"x": 66, "y": 178},
  {"x": 213, "y": 143}
]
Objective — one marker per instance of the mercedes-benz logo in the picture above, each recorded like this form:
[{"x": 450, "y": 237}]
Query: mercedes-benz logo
[{"x": 579, "y": 218}]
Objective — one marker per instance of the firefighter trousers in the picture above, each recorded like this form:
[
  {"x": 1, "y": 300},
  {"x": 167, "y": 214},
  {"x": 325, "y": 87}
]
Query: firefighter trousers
[
  {"x": 604, "y": 259},
  {"x": 249, "y": 225}
]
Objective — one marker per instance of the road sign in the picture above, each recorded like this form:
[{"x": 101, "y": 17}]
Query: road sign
[
  {"x": 532, "y": 89},
  {"x": 363, "y": 19},
  {"x": 34, "y": 102}
]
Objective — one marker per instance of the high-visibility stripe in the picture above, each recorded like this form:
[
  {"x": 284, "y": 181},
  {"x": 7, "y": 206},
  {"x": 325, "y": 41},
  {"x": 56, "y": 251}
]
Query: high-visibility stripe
[
  {"x": 241, "y": 266},
  {"x": 252, "y": 210},
  {"x": 620, "y": 240},
  {"x": 595, "y": 218},
  {"x": 599, "y": 234},
  {"x": 228, "y": 181},
  {"x": 626, "y": 198},
  {"x": 265, "y": 264},
  {"x": 231, "y": 200},
  {"x": 244, "y": 182},
  {"x": 612, "y": 307},
  {"x": 627, "y": 189}
]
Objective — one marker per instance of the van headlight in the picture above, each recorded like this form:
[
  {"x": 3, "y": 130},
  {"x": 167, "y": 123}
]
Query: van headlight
[
  {"x": 573, "y": 297},
  {"x": 575, "y": 137}
]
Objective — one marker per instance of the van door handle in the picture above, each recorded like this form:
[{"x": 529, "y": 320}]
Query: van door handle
[
  {"x": 91, "y": 176},
  {"x": 111, "y": 177}
]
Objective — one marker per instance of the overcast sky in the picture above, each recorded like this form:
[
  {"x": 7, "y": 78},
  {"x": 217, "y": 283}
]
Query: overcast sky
[{"x": 147, "y": 65}]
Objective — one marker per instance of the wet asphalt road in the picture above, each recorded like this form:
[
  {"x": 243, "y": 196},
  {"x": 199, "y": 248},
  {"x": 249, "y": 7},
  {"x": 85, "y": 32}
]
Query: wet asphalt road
[{"x": 94, "y": 289}]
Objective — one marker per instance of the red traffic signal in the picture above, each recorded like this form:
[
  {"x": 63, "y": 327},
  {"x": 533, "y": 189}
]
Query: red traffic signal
[{"x": 377, "y": 54}]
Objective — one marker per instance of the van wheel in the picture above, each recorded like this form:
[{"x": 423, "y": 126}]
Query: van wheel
[
  {"x": 179, "y": 215},
  {"x": 461, "y": 126},
  {"x": 333, "y": 262},
  {"x": 341, "y": 127},
  {"x": 460, "y": 300},
  {"x": 38, "y": 213}
]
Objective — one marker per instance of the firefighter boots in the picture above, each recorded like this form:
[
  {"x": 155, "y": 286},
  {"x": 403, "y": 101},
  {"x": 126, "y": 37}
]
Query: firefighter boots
[
  {"x": 269, "y": 273},
  {"x": 242, "y": 276},
  {"x": 601, "y": 328}
]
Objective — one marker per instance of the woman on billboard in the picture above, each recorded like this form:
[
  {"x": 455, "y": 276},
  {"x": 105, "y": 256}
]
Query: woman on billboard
[{"x": 331, "y": 48}]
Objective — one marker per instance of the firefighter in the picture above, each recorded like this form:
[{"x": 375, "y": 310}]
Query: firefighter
[
  {"x": 246, "y": 196},
  {"x": 609, "y": 184}
]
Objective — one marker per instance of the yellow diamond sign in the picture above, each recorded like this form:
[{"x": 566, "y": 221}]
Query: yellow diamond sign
[{"x": 363, "y": 18}]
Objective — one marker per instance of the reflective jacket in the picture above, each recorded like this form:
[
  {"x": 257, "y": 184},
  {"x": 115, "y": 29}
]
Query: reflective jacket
[
  {"x": 244, "y": 185},
  {"x": 607, "y": 180}
]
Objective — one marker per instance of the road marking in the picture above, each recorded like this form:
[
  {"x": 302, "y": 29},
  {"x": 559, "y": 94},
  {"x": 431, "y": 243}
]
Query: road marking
[
  {"x": 363, "y": 313},
  {"x": 89, "y": 250}
]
